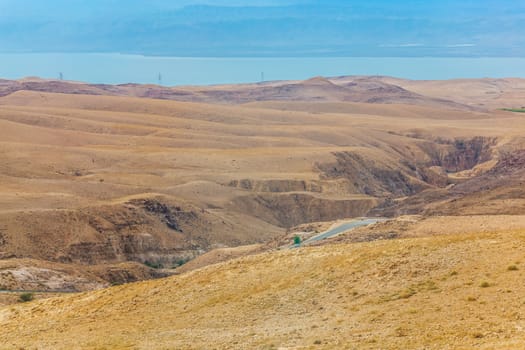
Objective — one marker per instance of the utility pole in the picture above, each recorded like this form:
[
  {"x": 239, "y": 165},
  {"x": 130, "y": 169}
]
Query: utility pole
[{"x": 160, "y": 79}]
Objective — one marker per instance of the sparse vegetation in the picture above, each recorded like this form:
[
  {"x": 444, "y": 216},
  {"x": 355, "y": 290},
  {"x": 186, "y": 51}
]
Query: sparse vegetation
[
  {"x": 406, "y": 293},
  {"x": 26, "y": 297},
  {"x": 297, "y": 240},
  {"x": 484, "y": 284},
  {"x": 512, "y": 268},
  {"x": 515, "y": 110},
  {"x": 181, "y": 262},
  {"x": 401, "y": 331},
  {"x": 153, "y": 265}
]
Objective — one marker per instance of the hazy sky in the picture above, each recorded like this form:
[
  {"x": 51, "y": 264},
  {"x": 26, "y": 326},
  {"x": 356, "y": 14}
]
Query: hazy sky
[{"x": 266, "y": 27}]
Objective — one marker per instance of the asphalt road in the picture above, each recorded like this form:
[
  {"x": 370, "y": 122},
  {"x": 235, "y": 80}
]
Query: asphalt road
[{"x": 342, "y": 228}]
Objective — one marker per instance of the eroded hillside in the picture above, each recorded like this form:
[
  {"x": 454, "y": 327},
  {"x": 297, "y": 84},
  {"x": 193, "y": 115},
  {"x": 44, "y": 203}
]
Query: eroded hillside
[{"x": 102, "y": 175}]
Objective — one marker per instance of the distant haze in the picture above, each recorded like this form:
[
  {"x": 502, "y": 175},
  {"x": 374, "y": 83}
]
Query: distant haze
[{"x": 383, "y": 28}]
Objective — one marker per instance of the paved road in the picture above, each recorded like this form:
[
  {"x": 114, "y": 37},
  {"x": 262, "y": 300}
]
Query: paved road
[{"x": 342, "y": 228}]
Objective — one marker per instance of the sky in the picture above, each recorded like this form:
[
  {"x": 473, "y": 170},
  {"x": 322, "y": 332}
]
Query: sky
[{"x": 266, "y": 28}]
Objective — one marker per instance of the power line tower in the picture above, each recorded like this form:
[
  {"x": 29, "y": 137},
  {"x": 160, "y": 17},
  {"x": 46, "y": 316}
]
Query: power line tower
[{"x": 60, "y": 76}]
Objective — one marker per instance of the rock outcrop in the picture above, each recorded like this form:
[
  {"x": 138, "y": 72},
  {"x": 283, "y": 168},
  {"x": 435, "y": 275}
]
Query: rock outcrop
[{"x": 291, "y": 209}]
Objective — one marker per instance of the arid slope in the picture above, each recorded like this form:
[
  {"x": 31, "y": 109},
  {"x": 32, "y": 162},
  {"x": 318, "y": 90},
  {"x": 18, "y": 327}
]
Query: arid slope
[
  {"x": 460, "y": 292},
  {"x": 97, "y": 175}
]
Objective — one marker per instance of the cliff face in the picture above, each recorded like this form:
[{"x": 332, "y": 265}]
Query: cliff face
[
  {"x": 291, "y": 209},
  {"x": 372, "y": 178},
  {"x": 459, "y": 154},
  {"x": 154, "y": 231},
  {"x": 276, "y": 185},
  {"x": 45, "y": 276},
  {"x": 411, "y": 174}
]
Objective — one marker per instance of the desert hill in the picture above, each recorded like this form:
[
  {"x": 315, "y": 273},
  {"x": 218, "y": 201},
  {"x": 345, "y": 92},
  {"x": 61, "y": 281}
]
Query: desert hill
[
  {"x": 451, "y": 291},
  {"x": 473, "y": 94},
  {"x": 103, "y": 175},
  {"x": 103, "y": 185}
]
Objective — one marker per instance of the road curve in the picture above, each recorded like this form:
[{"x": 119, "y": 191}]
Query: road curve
[{"x": 349, "y": 225}]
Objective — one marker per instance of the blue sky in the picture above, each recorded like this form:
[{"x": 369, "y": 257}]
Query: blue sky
[{"x": 266, "y": 27}]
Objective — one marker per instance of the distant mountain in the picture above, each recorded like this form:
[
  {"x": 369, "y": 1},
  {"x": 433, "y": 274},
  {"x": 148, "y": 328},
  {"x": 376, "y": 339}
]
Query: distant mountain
[
  {"x": 372, "y": 90},
  {"x": 265, "y": 28}
]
